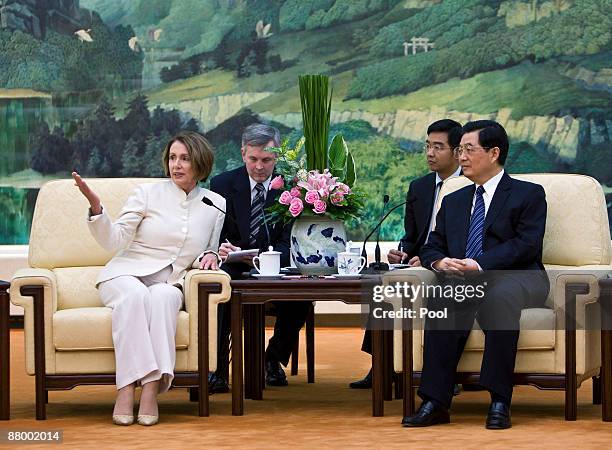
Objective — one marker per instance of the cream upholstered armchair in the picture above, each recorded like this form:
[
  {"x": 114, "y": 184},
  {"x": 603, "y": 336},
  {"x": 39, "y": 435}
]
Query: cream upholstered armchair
[
  {"x": 559, "y": 345},
  {"x": 68, "y": 336}
]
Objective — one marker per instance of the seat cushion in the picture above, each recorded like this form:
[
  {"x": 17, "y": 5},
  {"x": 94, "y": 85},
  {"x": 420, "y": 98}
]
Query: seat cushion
[
  {"x": 79, "y": 329},
  {"x": 537, "y": 331}
]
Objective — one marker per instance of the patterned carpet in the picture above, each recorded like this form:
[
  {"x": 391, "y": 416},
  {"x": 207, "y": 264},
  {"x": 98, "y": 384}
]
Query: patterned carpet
[{"x": 324, "y": 414}]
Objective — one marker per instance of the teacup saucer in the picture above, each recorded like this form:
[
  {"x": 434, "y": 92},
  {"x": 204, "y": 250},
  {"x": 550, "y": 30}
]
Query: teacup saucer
[
  {"x": 348, "y": 276},
  {"x": 262, "y": 276}
]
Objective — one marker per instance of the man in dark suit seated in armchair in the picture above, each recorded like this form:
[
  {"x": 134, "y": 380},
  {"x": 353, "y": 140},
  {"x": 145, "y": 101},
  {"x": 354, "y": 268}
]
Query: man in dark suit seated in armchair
[
  {"x": 247, "y": 193},
  {"x": 495, "y": 224},
  {"x": 442, "y": 137}
]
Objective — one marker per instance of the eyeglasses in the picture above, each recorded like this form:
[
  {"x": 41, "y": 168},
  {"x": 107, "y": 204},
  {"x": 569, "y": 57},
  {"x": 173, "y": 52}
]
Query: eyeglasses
[
  {"x": 468, "y": 149},
  {"x": 435, "y": 147}
]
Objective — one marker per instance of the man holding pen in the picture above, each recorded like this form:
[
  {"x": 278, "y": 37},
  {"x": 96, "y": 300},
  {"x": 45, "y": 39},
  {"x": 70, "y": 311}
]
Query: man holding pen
[
  {"x": 442, "y": 137},
  {"x": 248, "y": 192}
]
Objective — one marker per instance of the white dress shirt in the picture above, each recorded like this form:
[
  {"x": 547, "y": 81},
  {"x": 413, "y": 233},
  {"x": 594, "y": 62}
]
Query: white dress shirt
[
  {"x": 159, "y": 226},
  {"x": 489, "y": 191},
  {"x": 432, "y": 219},
  {"x": 266, "y": 185}
]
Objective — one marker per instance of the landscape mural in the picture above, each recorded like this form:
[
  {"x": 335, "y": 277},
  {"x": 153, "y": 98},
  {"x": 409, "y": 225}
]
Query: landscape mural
[{"x": 100, "y": 85}]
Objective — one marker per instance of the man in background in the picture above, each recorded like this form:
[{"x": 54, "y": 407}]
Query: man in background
[
  {"x": 442, "y": 137},
  {"x": 247, "y": 193}
]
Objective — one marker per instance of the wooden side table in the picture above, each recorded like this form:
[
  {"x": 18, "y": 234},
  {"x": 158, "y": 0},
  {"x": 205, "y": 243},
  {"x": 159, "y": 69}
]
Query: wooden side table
[
  {"x": 605, "y": 300},
  {"x": 5, "y": 355}
]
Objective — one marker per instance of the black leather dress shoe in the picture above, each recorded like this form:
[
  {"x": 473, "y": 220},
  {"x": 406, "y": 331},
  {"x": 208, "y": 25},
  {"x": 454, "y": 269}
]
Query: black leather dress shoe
[
  {"x": 428, "y": 414},
  {"x": 498, "y": 417},
  {"x": 217, "y": 384},
  {"x": 275, "y": 375},
  {"x": 364, "y": 383}
]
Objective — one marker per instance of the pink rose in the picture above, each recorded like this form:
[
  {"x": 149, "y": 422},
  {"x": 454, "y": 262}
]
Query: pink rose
[
  {"x": 285, "y": 198},
  {"x": 311, "y": 197},
  {"x": 337, "y": 198},
  {"x": 277, "y": 183},
  {"x": 296, "y": 207},
  {"x": 296, "y": 192},
  {"x": 319, "y": 207}
]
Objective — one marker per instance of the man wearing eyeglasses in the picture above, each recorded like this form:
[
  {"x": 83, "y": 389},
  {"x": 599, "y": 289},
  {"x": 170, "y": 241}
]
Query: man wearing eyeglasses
[
  {"x": 497, "y": 223},
  {"x": 442, "y": 137}
]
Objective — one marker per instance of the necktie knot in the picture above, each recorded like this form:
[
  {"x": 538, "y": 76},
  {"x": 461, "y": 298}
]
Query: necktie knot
[
  {"x": 480, "y": 190},
  {"x": 259, "y": 187}
]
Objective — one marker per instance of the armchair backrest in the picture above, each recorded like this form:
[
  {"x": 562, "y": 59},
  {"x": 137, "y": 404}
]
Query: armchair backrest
[
  {"x": 577, "y": 228},
  {"x": 60, "y": 236},
  {"x": 60, "y": 239}
]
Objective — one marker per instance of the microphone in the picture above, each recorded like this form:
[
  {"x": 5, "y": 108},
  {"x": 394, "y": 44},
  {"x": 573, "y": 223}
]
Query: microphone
[
  {"x": 372, "y": 268},
  {"x": 209, "y": 202},
  {"x": 265, "y": 223},
  {"x": 377, "y": 248}
]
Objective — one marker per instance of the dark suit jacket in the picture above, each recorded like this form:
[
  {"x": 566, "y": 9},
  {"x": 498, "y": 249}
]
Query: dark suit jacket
[
  {"x": 235, "y": 187},
  {"x": 417, "y": 216},
  {"x": 513, "y": 229}
]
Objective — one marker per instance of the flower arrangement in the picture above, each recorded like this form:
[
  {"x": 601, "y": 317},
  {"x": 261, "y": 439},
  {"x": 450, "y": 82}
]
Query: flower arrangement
[
  {"x": 318, "y": 180},
  {"x": 311, "y": 192}
]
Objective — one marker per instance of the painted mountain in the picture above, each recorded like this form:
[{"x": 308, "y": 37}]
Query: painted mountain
[{"x": 100, "y": 85}]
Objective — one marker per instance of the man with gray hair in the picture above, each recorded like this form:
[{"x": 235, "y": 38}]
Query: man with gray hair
[{"x": 247, "y": 193}]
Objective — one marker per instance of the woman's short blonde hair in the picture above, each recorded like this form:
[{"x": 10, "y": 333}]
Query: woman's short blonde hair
[{"x": 199, "y": 150}]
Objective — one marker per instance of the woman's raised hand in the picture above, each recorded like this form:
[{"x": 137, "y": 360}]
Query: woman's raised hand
[{"x": 91, "y": 196}]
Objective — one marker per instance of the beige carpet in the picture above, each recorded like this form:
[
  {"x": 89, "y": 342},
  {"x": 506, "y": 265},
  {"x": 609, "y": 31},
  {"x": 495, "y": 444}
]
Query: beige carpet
[{"x": 324, "y": 414}]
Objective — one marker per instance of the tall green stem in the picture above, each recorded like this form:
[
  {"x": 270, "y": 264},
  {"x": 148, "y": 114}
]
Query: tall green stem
[{"x": 315, "y": 98}]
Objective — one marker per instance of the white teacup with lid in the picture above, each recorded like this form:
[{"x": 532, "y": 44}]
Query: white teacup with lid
[
  {"x": 268, "y": 263},
  {"x": 350, "y": 263}
]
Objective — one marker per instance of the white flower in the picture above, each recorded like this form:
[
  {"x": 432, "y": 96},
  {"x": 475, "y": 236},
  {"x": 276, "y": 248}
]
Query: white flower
[{"x": 302, "y": 175}]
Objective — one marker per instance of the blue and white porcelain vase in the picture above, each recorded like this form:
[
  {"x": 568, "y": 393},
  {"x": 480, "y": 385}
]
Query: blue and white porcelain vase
[{"x": 315, "y": 244}]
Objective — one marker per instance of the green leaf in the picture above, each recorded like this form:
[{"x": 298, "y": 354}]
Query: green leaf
[
  {"x": 338, "y": 152},
  {"x": 351, "y": 175}
]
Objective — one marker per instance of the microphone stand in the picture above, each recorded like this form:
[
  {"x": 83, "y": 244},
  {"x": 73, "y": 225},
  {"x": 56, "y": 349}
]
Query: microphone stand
[
  {"x": 377, "y": 265},
  {"x": 374, "y": 268}
]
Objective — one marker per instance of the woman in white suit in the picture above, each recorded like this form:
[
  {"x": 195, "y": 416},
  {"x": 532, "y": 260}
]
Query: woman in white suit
[{"x": 163, "y": 230}]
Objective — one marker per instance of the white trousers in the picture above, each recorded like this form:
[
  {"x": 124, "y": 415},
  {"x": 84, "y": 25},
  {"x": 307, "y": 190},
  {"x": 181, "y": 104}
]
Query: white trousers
[{"x": 145, "y": 312}]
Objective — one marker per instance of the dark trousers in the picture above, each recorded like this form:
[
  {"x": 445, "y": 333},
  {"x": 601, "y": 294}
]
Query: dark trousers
[
  {"x": 290, "y": 318},
  {"x": 498, "y": 315}
]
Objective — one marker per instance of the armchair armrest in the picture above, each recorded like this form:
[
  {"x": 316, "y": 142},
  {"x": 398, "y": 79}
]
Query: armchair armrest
[
  {"x": 215, "y": 285},
  {"x": 562, "y": 277},
  {"x": 196, "y": 277},
  {"x": 44, "y": 280}
]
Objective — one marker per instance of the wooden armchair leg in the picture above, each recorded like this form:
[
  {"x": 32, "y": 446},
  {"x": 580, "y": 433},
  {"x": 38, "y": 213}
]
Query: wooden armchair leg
[
  {"x": 5, "y": 349},
  {"x": 37, "y": 293},
  {"x": 571, "y": 386},
  {"x": 310, "y": 345}
]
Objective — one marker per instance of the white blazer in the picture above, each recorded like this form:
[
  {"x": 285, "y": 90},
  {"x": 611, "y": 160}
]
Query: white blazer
[{"x": 159, "y": 226}]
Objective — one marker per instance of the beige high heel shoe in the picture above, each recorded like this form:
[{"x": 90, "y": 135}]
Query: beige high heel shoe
[
  {"x": 146, "y": 420},
  {"x": 123, "y": 419}
]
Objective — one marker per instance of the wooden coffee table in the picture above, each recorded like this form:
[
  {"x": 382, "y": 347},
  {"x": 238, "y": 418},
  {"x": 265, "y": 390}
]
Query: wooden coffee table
[{"x": 250, "y": 292}]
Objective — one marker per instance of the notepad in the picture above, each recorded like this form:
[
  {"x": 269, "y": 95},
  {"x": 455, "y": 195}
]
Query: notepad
[{"x": 237, "y": 255}]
